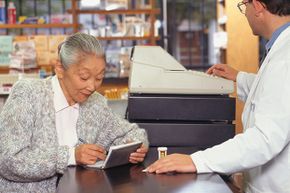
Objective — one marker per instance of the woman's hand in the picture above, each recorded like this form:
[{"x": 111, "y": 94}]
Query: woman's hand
[
  {"x": 173, "y": 163},
  {"x": 138, "y": 155},
  {"x": 89, "y": 154},
  {"x": 223, "y": 70}
]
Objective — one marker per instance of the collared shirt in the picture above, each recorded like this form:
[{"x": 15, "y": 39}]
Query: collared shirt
[
  {"x": 262, "y": 151},
  {"x": 275, "y": 35},
  {"x": 65, "y": 120}
]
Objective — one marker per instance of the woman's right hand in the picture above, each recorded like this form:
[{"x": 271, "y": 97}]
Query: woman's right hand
[
  {"x": 89, "y": 153},
  {"x": 223, "y": 70}
]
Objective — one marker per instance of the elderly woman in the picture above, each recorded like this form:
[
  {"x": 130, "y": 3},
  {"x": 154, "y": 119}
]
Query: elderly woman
[{"x": 43, "y": 120}]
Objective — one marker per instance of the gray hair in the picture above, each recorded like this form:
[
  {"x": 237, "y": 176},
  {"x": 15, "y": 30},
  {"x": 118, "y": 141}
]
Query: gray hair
[{"x": 76, "y": 47}]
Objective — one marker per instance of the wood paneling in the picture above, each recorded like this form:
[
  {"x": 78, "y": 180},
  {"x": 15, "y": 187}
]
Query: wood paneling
[{"x": 243, "y": 47}]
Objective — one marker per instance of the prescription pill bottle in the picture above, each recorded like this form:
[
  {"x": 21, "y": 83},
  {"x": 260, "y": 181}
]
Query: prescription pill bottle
[{"x": 162, "y": 152}]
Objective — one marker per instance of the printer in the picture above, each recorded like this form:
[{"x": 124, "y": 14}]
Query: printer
[{"x": 176, "y": 106}]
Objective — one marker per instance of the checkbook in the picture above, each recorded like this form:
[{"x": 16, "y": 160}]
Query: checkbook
[{"x": 117, "y": 155}]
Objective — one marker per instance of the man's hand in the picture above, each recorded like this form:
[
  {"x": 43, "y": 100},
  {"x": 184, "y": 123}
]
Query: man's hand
[
  {"x": 173, "y": 163},
  {"x": 223, "y": 70},
  {"x": 139, "y": 155},
  {"x": 89, "y": 154}
]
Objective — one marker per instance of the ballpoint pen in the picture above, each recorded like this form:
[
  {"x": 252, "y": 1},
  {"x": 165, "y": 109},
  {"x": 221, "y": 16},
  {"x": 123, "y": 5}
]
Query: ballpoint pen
[{"x": 82, "y": 141}]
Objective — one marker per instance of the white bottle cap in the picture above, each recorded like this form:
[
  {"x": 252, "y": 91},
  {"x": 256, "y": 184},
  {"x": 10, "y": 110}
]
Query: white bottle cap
[
  {"x": 2, "y": 4},
  {"x": 11, "y": 5},
  {"x": 162, "y": 148}
]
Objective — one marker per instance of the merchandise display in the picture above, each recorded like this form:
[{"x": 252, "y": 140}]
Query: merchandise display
[
  {"x": 116, "y": 4},
  {"x": 11, "y": 13},
  {"x": 2, "y": 12},
  {"x": 118, "y": 62},
  {"x": 112, "y": 63},
  {"x": 104, "y": 4},
  {"x": 31, "y": 20},
  {"x": 5, "y": 50},
  {"x": 118, "y": 24},
  {"x": 5, "y": 44},
  {"x": 23, "y": 55},
  {"x": 24, "y": 52},
  {"x": 125, "y": 63},
  {"x": 61, "y": 18}
]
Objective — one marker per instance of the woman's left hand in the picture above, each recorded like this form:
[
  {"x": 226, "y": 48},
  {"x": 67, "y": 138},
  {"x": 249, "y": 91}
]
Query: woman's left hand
[{"x": 138, "y": 155}]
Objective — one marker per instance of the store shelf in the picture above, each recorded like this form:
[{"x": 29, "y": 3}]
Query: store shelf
[
  {"x": 119, "y": 80},
  {"x": 4, "y": 70},
  {"x": 75, "y": 11},
  {"x": 106, "y": 12},
  {"x": 127, "y": 38},
  {"x": 51, "y": 25},
  {"x": 150, "y": 12}
]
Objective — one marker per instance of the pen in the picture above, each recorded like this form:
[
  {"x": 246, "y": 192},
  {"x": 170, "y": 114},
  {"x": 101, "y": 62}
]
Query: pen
[{"x": 82, "y": 141}]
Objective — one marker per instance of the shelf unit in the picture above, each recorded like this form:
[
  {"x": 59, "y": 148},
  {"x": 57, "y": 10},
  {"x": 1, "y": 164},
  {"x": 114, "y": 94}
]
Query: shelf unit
[
  {"x": 4, "y": 70},
  {"x": 222, "y": 27},
  {"x": 121, "y": 11},
  {"x": 20, "y": 26},
  {"x": 75, "y": 11},
  {"x": 119, "y": 83},
  {"x": 152, "y": 12},
  {"x": 129, "y": 38}
]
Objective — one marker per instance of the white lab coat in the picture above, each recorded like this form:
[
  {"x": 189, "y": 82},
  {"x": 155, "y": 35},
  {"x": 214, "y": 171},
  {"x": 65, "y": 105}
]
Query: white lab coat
[{"x": 263, "y": 150}]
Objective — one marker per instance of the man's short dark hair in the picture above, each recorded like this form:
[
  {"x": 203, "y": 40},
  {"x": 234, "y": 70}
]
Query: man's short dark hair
[{"x": 277, "y": 7}]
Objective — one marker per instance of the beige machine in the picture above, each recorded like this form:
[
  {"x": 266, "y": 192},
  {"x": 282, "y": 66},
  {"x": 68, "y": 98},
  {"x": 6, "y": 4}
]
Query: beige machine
[
  {"x": 176, "y": 106},
  {"x": 153, "y": 70}
]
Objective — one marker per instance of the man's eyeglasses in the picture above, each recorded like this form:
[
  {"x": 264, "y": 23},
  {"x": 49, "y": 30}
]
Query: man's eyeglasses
[{"x": 242, "y": 6}]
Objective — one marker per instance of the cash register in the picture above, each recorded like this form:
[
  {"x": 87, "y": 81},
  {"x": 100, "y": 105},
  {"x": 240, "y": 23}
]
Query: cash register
[{"x": 176, "y": 106}]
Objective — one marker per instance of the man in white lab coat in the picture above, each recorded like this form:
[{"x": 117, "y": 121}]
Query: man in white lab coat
[{"x": 262, "y": 152}]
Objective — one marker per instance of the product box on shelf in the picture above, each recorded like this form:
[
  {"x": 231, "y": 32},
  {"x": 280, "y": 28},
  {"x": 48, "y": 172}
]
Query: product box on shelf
[
  {"x": 20, "y": 38},
  {"x": 6, "y": 43},
  {"x": 43, "y": 58},
  {"x": 133, "y": 4},
  {"x": 54, "y": 41},
  {"x": 89, "y": 4},
  {"x": 125, "y": 63},
  {"x": 112, "y": 63},
  {"x": 135, "y": 26},
  {"x": 53, "y": 55},
  {"x": 116, "y": 4},
  {"x": 31, "y": 20},
  {"x": 4, "y": 59},
  {"x": 23, "y": 55},
  {"x": 41, "y": 42},
  {"x": 61, "y": 18}
]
